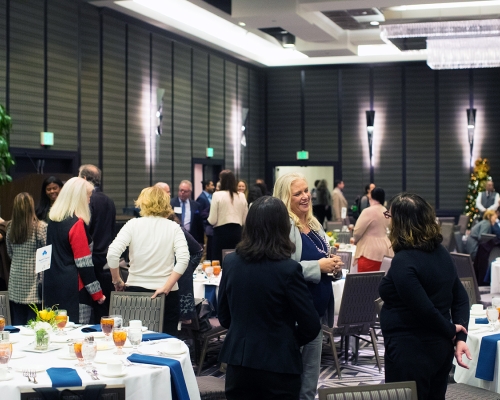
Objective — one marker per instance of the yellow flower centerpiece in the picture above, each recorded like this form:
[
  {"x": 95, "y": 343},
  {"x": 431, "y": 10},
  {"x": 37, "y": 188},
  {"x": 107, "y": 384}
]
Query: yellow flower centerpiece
[
  {"x": 42, "y": 325},
  {"x": 332, "y": 236}
]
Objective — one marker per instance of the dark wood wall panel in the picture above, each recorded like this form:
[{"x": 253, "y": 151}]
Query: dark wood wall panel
[
  {"x": 231, "y": 114},
  {"x": 26, "y": 72},
  {"x": 355, "y": 101},
  {"x": 453, "y": 142},
  {"x": 62, "y": 73},
  {"x": 283, "y": 94},
  {"x": 3, "y": 51},
  {"x": 243, "y": 102},
  {"x": 321, "y": 114},
  {"x": 182, "y": 114},
  {"x": 162, "y": 79},
  {"x": 200, "y": 103},
  {"x": 486, "y": 102},
  {"x": 420, "y": 131},
  {"x": 255, "y": 126},
  {"x": 113, "y": 110},
  {"x": 89, "y": 44},
  {"x": 387, "y": 146},
  {"x": 217, "y": 106}
]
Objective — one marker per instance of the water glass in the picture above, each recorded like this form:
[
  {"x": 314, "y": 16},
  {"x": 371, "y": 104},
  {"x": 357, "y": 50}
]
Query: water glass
[
  {"x": 118, "y": 321},
  {"x": 89, "y": 351},
  {"x": 135, "y": 337},
  {"x": 209, "y": 271},
  {"x": 492, "y": 314}
]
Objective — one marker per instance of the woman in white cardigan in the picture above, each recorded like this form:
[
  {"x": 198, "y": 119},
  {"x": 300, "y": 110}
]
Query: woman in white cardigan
[
  {"x": 370, "y": 234},
  {"x": 228, "y": 212},
  {"x": 158, "y": 253}
]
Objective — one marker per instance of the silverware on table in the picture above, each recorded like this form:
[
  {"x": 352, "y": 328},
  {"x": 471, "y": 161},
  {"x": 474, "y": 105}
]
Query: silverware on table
[
  {"x": 32, "y": 373},
  {"x": 94, "y": 371},
  {"x": 26, "y": 374}
]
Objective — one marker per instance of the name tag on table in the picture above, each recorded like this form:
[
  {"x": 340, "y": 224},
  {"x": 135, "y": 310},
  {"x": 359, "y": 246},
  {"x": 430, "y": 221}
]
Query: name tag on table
[
  {"x": 178, "y": 210},
  {"x": 43, "y": 257}
]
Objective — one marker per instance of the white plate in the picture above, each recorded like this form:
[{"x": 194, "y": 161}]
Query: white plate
[
  {"x": 171, "y": 353},
  {"x": 52, "y": 347},
  {"x": 478, "y": 327},
  {"x": 481, "y": 314},
  {"x": 27, "y": 332},
  {"x": 17, "y": 354},
  {"x": 143, "y": 328},
  {"x": 70, "y": 324},
  {"x": 60, "y": 339},
  {"x": 7, "y": 378},
  {"x": 13, "y": 339},
  {"x": 63, "y": 355},
  {"x": 37, "y": 368},
  {"x": 123, "y": 372}
]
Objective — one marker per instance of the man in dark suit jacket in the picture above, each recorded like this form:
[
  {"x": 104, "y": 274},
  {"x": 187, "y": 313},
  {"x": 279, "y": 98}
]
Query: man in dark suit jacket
[
  {"x": 188, "y": 212},
  {"x": 204, "y": 200}
]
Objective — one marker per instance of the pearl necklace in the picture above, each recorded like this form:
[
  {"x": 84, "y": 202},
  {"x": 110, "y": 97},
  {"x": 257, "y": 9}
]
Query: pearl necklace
[{"x": 322, "y": 240}]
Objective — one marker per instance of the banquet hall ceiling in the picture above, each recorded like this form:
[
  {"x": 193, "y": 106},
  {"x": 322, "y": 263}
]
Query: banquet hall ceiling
[{"x": 323, "y": 31}]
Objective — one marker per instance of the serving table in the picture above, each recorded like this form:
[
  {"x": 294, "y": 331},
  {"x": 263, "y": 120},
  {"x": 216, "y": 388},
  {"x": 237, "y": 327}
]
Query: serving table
[{"x": 141, "y": 382}]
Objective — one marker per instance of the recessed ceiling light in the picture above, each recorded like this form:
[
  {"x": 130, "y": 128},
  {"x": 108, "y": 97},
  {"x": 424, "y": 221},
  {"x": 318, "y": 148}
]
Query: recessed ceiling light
[
  {"x": 241, "y": 24},
  {"x": 375, "y": 23}
]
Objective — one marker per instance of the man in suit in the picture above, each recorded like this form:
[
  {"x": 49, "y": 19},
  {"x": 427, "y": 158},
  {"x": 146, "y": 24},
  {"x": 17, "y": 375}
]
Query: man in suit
[
  {"x": 204, "y": 200},
  {"x": 487, "y": 200},
  {"x": 339, "y": 201},
  {"x": 188, "y": 211}
]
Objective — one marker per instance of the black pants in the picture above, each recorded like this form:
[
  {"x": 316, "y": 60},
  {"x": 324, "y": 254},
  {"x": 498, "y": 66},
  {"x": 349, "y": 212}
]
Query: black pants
[
  {"x": 105, "y": 280},
  {"x": 244, "y": 383},
  {"x": 171, "y": 315},
  {"x": 21, "y": 313},
  {"x": 225, "y": 237},
  {"x": 426, "y": 361}
]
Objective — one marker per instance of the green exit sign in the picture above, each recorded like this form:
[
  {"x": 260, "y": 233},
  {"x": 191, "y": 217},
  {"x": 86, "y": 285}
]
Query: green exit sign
[
  {"x": 47, "y": 138},
  {"x": 210, "y": 152},
  {"x": 303, "y": 155}
]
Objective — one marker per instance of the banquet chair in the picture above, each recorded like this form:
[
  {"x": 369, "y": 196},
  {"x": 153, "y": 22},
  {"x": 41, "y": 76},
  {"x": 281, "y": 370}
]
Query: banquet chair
[
  {"x": 463, "y": 221},
  {"x": 357, "y": 313},
  {"x": 139, "y": 305},
  {"x": 465, "y": 269},
  {"x": 469, "y": 288},
  {"x": 225, "y": 252},
  {"x": 461, "y": 391},
  {"x": 459, "y": 244},
  {"x": 386, "y": 264},
  {"x": 447, "y": 233},
  {"x": 392, "y": 391},
  {"x": 109, "y": 392},
  {"x": 346, "y": 257},
  {"x": 4, "y": 307},
  {"x": 332, "y": 225},
  {"x": 447, "y": 220},
  {"x": 344, "y": 237},
  {"x": 486, "y": 237}
]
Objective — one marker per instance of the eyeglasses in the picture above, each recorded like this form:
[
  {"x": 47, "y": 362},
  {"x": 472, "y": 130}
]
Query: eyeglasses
[
  {"x": 184, "y": 191},
  {"x": 387, "y": 214}
]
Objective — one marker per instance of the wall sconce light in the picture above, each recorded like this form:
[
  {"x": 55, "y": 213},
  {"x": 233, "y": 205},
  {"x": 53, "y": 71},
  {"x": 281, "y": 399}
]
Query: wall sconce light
[
  {"x": 370, "y": 119},
  {"x": 159, "y": 110},
  {"x": 471, "y": 126},
  {"x": 244, "y": 118}
]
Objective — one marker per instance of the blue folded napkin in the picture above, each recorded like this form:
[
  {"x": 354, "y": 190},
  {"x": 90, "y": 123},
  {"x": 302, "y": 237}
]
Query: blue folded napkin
[
  {"x": 11, "y": 329},
  {"x": 92, "y": 328},
  {"x": 146, "y": 337},
  {"x": 482, "y": 321},
  {"x": 179, "y": 388},
  {"x": 211, "y": 296},
  {"x": 487, "y": 357},
  {"x": 64, "y": 377}
]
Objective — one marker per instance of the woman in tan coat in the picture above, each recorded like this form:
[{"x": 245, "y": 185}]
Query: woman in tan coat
[{"x": 370, "y": 234}]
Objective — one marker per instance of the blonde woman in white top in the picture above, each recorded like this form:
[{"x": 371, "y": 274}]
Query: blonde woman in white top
[
  {"x": 158, "y": 253},
  {"x": 228, "y": 212}
]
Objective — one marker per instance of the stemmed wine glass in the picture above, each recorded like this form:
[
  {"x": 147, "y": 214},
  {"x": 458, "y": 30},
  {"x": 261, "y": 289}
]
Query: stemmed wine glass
[
  {"x": 119, "y": 337},
  {"x": 5, "y": 352},
  {"x": 107, "y": 324},
  {"x": 135, "y": 337},
  {"x": 61, "y": 321},
  {"x": 89, "y": 350},
  {"x": 77, "y": 345},
  {"x": 492, "y": 314}
]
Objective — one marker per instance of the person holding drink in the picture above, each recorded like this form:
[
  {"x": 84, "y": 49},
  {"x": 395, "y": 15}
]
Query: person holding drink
[{"x": 313, "y": 253}]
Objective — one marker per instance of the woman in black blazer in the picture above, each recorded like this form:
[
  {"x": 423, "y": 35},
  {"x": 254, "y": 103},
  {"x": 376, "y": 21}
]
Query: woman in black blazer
[{"x": 265, "y": 304}]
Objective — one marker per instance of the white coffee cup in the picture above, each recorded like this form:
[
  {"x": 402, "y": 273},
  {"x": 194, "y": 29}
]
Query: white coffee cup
[
  {"x": 472, "y": 323},
  {"x": 114, "y": 367},
  {"x": 135, "y": 323},
  {"x": 4, "y": 372},
  {"x": 476, "y": 308},
  {"x": 173, "y": 346}
]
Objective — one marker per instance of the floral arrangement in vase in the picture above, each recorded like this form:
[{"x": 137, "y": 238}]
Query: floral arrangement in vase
[
  {"x": 332, "y": 236},
  {"x": 42, "y": 325}
]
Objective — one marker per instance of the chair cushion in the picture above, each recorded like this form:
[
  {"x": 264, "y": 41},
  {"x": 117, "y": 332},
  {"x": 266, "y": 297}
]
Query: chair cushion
[{"x": 461, "y": 391}]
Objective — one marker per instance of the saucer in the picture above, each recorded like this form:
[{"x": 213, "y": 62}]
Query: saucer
[
  {"x": 110, "y": 375},
  {"x": 7, "y": 378},
  {"x": 17, "y": 354},
  {"x": 171, "y": 353}
]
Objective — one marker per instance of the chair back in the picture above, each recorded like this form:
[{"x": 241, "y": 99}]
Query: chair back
[
  {"x": 465, "y": 269},
  {"x": 386, "y": 264},
  {"x": 346, "y": 221},
  {"x": 463, "y": 221},
  {"x": 346, "y": 257},
  {"x": 392, "y": 391},
  {"x": 225, "y": 252},
  {"x": 486, "y": 237},
  {"x": 378, "y": 305},
  {"x": 139, "y": 305},
  {"x": 332, "y": 225},
  {"x": 357, "y": 310},
  {"x": 344, "y": 237},
  {"x": 447, "y": 232},
  {"x": 469, "y": 288},
  {"x": 110, "y": 392},
  {"x": 448, "y": 220},
  {"x": 5, "y": 307},
  {"x": 459, "y": 244}
]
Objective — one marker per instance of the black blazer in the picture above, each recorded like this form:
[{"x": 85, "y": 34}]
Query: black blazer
[
  {"x": 196, "y": 228},
  {"x": 204, "y": 204},
  {"x": 269, "y": 312}
]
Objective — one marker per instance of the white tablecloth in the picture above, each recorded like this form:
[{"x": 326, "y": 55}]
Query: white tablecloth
[
  {"x": 199, "y": 287},
  {"x": 495, "y": 277},
  {"x": 467, "y": 376},
  {"x": 140, "y": 383}
]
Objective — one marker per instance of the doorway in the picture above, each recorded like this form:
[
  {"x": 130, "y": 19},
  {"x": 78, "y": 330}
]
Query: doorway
[{"x": 205, "y": 170}]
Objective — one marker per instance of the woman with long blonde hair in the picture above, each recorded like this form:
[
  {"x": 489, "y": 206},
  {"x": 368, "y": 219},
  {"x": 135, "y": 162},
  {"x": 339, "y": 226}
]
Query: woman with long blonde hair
[
  {"x": 312, "y": 251},
  {"x": 71, "y": 282},
  {"x": 25, "y": 234}
]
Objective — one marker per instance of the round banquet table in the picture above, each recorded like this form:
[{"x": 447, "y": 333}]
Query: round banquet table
[{"x": 140, "y": 382}]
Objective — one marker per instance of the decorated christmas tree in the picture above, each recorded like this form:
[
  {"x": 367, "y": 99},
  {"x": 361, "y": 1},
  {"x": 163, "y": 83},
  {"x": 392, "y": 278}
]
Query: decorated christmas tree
[{"x": 478, "y": 179}]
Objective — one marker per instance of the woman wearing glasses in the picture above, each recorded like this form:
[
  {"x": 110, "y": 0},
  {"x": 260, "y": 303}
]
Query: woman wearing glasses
[
  {"x": 426, "y": 308},
  {"x": 370, "y": 234}
]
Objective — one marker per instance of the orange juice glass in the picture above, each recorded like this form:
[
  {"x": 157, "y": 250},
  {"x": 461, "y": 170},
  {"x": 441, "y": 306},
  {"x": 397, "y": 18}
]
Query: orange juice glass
[
  {"x": 2, "y": 323},
  {"x": 337, "y": 245},
  {"x": 61, "y": 321},
  {"x": 215, "y": 263},
  {"x": 77, "y": 345},
  {"x": 5, "y": 352},
  {"x": 107, "y": 324},
  {"x": 216, "y": 270},
  {"x": 206, "y": 263},
  {"x": 119, "y": 337}
]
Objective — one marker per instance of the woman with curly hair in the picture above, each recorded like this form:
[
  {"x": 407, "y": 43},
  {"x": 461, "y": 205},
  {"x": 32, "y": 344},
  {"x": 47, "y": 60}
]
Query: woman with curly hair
[
  {"x": 426, "y": 308},
  {"x": 158, "y": 253},
  {"x": 50, "y": 190}
]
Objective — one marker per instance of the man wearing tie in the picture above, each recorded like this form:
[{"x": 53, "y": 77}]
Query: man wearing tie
[
  {"x": 487, "y": 200},
  {"x": 187, "y": 211}
]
